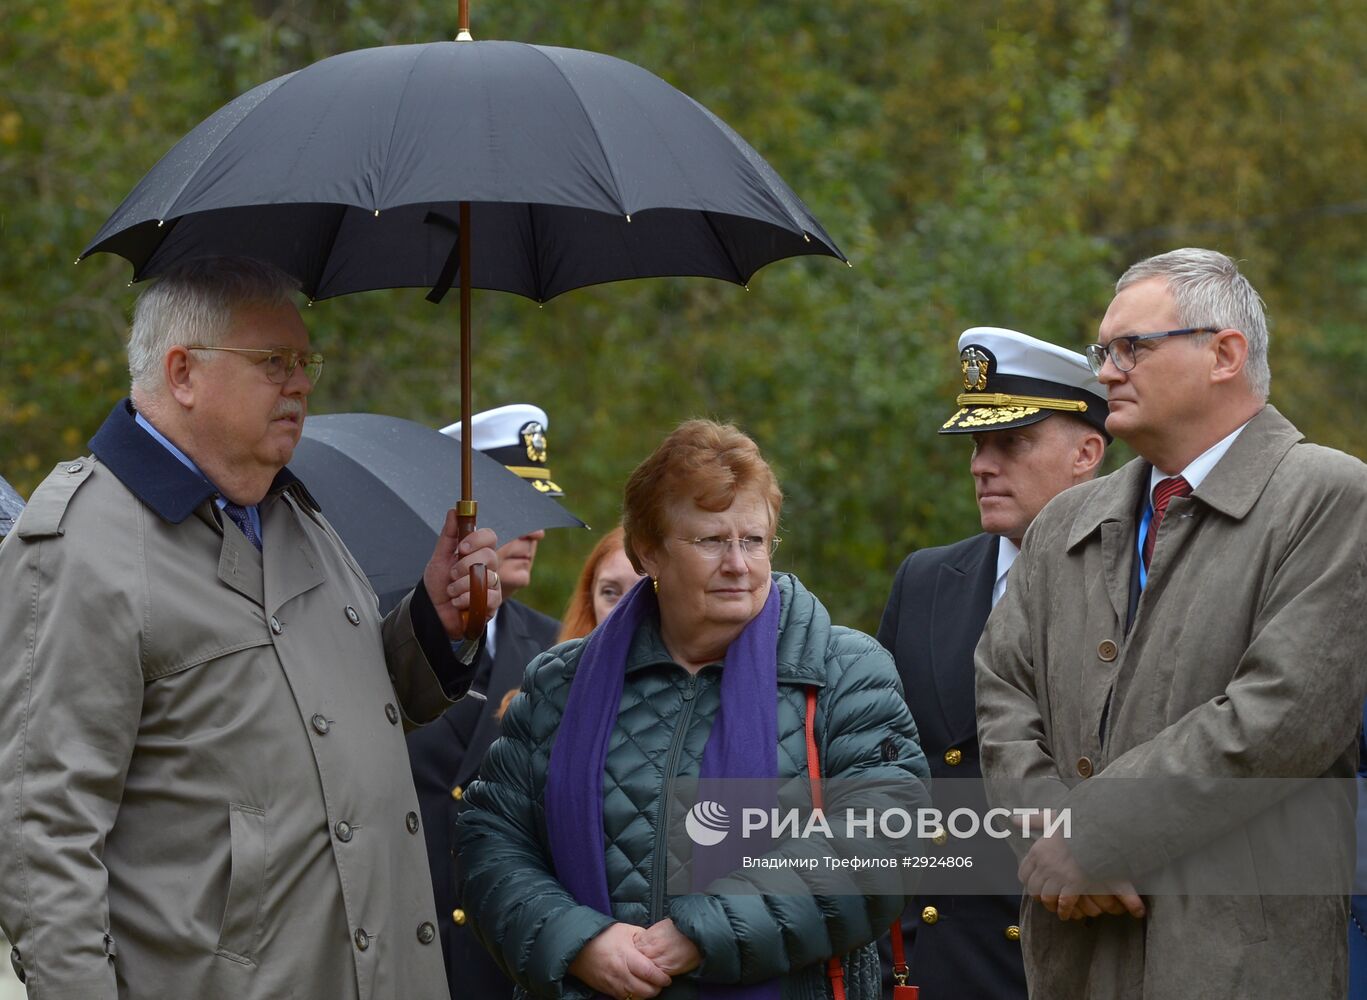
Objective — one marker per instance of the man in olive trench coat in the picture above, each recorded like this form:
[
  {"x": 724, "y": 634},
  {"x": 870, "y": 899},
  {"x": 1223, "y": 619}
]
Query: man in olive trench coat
[
  {"x": 1236, "y": 653},
  {"x": 204, "y": 789}
]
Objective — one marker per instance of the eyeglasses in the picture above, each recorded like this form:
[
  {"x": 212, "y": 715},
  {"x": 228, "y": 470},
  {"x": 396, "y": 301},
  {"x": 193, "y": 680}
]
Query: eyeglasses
[
  {"x": 1121, "y": 349},
  {"x": 277, "y": 362},
  {"x": 752, "y": 547}
]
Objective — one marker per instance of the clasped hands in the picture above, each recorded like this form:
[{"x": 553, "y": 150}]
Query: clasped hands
[
  {"x": 635, "y": 963},
  {"x": 1051, "y": 874}
]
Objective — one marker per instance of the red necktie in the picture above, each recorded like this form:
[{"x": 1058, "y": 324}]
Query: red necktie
[{"x": 1162, "y": 494}]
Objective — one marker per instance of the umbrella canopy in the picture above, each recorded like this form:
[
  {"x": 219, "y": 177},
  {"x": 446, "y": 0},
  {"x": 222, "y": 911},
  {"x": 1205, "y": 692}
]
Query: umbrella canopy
[
  {"x": 11, "y": 503},
  {"x": 386, "y": 484},
  {"x": 579, "y": 168},
  {"x": 381, "y": 168}
]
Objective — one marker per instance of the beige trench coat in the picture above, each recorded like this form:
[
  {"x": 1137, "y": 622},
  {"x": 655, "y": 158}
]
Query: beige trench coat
[
  {"x": 1245, "y": 658},
  {"x": 204, "y": 788}
]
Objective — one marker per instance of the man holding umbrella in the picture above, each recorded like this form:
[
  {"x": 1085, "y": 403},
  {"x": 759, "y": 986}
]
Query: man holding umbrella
[
  {"x": 201, "y": 754},
  {"x": 447, "y": 754}
]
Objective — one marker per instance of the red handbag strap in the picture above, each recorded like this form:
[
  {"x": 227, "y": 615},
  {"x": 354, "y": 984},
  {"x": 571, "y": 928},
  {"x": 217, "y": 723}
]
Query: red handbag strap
[
  {"x": 900, "y": 968},
  {"x": 835, "y": 972}
]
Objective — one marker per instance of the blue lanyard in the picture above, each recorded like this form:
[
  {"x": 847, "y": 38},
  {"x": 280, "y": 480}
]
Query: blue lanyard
[{"x": 1144, "y": 534}]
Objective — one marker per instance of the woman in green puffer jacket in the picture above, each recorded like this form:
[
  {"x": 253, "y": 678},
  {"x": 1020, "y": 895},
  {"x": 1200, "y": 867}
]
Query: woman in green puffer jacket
[{"x": 703, "y": 672}]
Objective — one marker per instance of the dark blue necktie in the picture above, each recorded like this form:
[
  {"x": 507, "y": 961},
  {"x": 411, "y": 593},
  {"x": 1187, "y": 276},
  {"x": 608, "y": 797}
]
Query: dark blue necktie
[{"x": 243, "y": 520}]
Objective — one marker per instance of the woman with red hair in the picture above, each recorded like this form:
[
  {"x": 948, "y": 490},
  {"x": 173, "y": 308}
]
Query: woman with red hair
[
  {"x": 715, "y": 669},
  {"x": 605, "y": 579}
]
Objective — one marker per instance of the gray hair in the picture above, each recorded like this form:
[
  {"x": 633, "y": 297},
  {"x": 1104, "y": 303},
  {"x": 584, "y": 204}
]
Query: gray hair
[
  {"x": 193, "y": 303},
  {"x": 1209, "y": 291}
]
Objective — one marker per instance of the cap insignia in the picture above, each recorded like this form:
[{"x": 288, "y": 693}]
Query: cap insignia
[
  {"x": 974, "y": 364},
  {"x": 534, "y": 439}
]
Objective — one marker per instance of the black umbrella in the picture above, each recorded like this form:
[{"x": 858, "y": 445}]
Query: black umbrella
[
  {"x": 386, "y": 484},
  {"x": 371, "y": 169},
  {"x": 579, "y": 168},
  {"x": 11, "y": 503}
]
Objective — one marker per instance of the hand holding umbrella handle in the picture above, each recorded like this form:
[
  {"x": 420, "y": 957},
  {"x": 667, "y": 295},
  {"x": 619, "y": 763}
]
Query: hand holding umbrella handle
[{"x": 478, "y": 616}]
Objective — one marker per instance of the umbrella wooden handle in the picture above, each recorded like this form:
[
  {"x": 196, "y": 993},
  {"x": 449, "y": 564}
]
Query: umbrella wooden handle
[{"x": 478, "y": 615}]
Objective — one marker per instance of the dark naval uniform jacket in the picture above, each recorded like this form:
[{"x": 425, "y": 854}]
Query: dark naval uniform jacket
[
  {"x": 958, "y": 947},
  {"x": 446, "y": 756}
]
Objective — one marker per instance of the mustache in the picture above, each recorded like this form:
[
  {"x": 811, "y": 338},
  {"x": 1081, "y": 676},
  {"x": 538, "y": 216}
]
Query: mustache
[{"x": 288, "y": 408}]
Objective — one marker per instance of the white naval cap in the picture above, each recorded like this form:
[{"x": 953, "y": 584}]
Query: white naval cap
[
  {"x": 1011, "y": 379},
  {"x": 516, "y": 436}
]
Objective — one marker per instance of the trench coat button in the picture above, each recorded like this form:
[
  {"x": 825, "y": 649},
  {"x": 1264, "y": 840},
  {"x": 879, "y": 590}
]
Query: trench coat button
[
  {"x": 1107, "y": 650},
  {"x": 458, "y": 793},
  {"x": 458, "y": 917},
  {"x": 411, "y": 821},
  {"x": 392, "y": 714},
  {"x": 1084, "y": 767},
  {"x": 1013, "y": 933},
  {"x": 426, "y": 932},
  {"x": 940, "y": 839},
  {"x": 362, "y": 939},
  {"x": 320, "y": 725},
  {"x": 343, "y": 830},
  {"x": 276, "y": 627},
  {"x": 74, "y": 468},
  {"x": 953, "y": 756},
  {"x": 352, "y": 616},
  {"x": 930, "y": 915}
]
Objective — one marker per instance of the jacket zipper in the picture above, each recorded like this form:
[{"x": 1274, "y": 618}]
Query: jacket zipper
[{"x": 657, "y": 873}]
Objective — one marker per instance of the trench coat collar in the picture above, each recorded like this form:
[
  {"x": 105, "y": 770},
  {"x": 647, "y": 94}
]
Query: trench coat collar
[
  {"x": 158, "y": 478},
  {"x": 1232, "y": 487}
]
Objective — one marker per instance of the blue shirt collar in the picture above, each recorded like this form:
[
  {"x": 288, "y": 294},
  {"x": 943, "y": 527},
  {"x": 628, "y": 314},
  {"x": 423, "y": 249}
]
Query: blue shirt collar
[{"x": 158, "y": 473}]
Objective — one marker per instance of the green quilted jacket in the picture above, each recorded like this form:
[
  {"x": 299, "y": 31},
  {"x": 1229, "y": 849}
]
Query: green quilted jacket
[{"x": 535, "y": 928}]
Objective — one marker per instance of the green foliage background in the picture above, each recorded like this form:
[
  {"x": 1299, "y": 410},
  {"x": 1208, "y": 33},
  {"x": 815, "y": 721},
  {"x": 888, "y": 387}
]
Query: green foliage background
[{"x": 981, "y": 163}]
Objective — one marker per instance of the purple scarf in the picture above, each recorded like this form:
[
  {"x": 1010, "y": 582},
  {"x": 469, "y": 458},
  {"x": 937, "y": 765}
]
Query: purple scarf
[{"x": 743, "y": 743}]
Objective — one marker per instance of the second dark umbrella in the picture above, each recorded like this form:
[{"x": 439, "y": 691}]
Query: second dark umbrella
[{"x": 386, "y": 484}]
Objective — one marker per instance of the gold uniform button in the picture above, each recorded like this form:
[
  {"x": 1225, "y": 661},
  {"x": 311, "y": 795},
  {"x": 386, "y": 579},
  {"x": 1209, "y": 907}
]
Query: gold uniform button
[
  {"x": 458, "y": 793},
  {"x": 940, "y": 839},
  {"x": 1084, "y": 767},
  {"x": 930, "y": 915},
  {"x": 1107, "y": 650},
  {"x": 953, "y": 756},
  {"x": 1013, "y": 933},
  {"x": 458, "y": 917}
]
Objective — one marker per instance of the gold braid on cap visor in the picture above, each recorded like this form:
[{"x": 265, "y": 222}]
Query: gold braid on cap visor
[{"x": 1005, "y": 399}]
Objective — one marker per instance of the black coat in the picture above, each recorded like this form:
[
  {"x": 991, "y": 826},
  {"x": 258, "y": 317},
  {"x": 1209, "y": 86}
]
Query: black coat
[
  {"x": 939, "y": 604},
  {"x": 445, "y": 756}
]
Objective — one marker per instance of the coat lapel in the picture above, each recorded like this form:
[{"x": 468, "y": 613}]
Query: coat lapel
[
  {"x": 292, "y": 565},
  {"x": 239, "y": 564},
  {"x": 961, "y": 604},
  {"x": 1111, "y": 512}
]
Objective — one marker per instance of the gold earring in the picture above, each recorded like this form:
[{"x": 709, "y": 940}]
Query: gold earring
[{"x": 655, "y": 582}]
